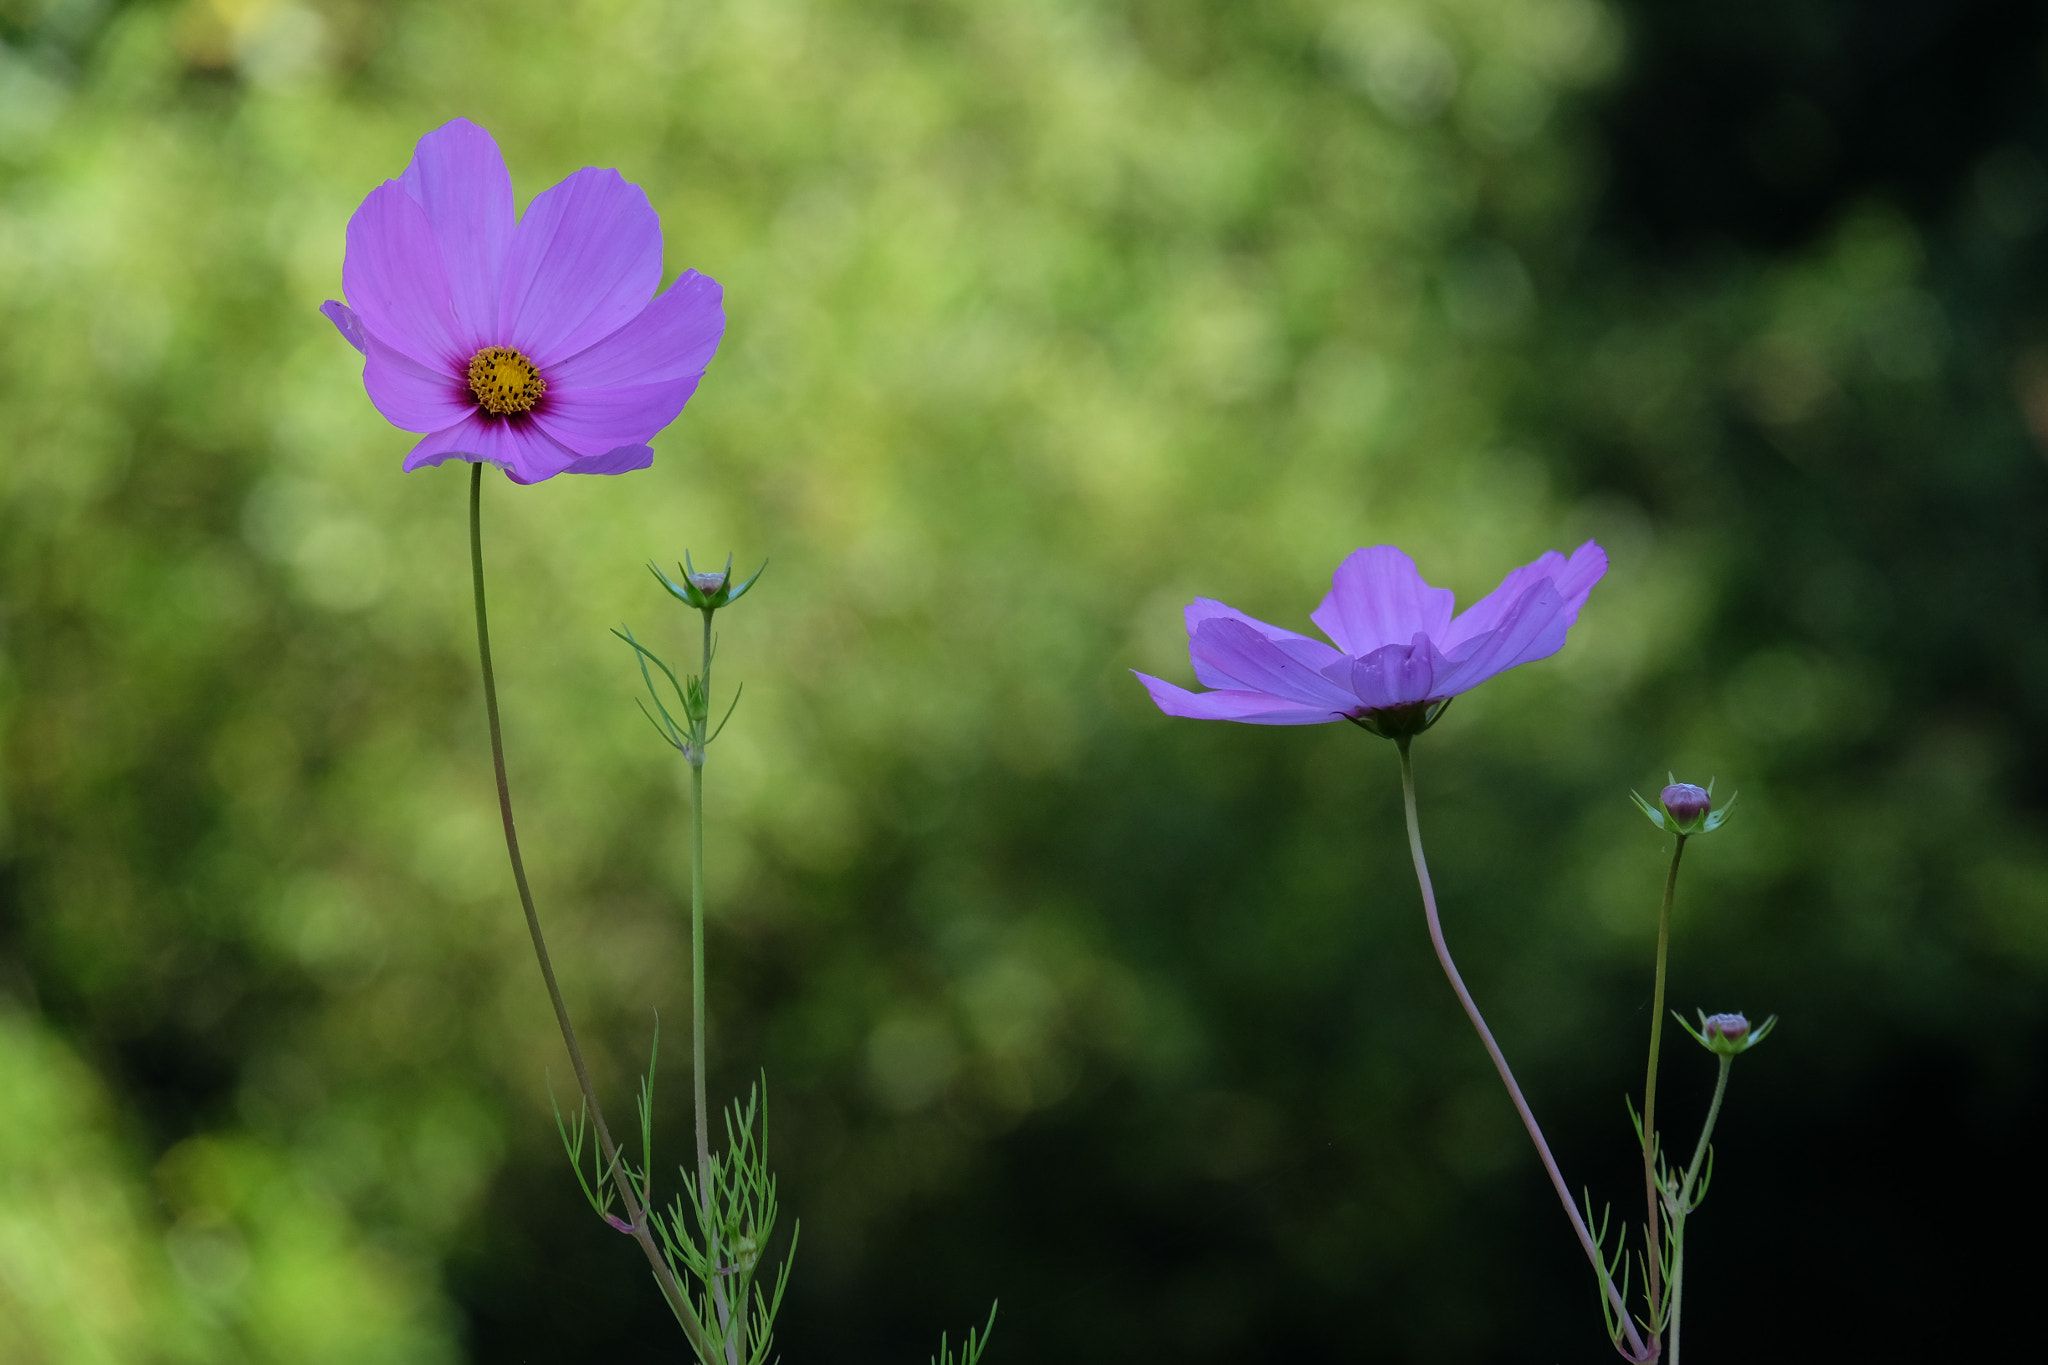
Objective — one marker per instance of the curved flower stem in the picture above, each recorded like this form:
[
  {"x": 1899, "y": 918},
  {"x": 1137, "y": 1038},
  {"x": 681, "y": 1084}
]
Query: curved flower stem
[
  {"x": 637, "y": 1215},
  {"x": 1685, "y": 1201},
  {"x": 1653, "y": 1265},
  {"x": 1637, "y": 1350}
]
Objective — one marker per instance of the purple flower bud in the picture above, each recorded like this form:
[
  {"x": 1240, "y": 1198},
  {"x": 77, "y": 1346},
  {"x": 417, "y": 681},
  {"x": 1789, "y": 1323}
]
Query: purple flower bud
[
  {"x": 705, "y": 589},
  {"x": 1687, "y": 805},
  {"x": 1727, "y": 1034},
  {"x": 1732, "y": 1028}
]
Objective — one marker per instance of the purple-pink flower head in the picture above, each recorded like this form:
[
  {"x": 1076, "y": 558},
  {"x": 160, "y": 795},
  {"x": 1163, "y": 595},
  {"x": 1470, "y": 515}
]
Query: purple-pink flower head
[
  {"x": 533, "y": 343},
  {"x": 1400, "y": 652}
]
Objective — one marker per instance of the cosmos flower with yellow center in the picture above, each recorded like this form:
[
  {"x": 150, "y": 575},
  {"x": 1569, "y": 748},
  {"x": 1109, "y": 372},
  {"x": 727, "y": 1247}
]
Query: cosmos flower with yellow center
[{"x": 535, "y": 343}]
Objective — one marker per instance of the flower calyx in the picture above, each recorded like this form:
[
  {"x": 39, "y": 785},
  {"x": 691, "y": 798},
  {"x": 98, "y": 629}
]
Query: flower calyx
[
  {"x": 1725, "y": 1035},
  {"x": 1683, "y": 808},
  {"x": 706, "y": 589},
  {"x": 1402, "y": 723}
]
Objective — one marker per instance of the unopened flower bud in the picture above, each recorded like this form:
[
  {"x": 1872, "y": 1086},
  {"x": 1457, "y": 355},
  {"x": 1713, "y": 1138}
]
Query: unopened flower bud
[
  {"x": 1727, "y": 1034},
  {"x": 1686, "y": 804},
  {"x": 1732, "y": 1027},
  {"x": 1685, "y": 809},
  {"x": 708, "y": 589}
]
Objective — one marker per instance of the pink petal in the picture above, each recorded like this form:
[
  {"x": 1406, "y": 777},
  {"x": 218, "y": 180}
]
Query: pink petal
[
  {"x": 623, "y": 460},
  {"x": 412, "y": 396},
  {"x": 1533, "y": 628},
  {"x": 1251, "y": 661},
  {"x": 671, "y": 338},
  {"x": 391, "y": 272},
  {"x": 521, "y": 449},
  {"x": 1377, "y": 598},
  {"x": 345, "y": 321},
  {"x": 593, "y": 421},
  {"x": 1574, "y": 578},
  {"x": 1399, "y": 675},
  {"x": 1314, "y": 653},
  {"x": 458, "y": 178},
  {"x": 583, "y": 263},
  {"x": 1252, "y": 708}
]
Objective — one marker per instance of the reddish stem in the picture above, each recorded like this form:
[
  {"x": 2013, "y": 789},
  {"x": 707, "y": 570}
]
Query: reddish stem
[{"x": 1636, "y": 1351}]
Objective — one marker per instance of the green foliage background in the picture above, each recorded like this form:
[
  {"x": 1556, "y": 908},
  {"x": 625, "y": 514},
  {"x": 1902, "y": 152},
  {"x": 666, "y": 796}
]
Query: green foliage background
[{"x": 1044, "y": 319}]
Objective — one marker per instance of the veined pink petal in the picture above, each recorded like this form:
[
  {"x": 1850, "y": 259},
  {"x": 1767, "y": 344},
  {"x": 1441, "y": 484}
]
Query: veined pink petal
[
  {"x": 623, "y": 460},
  {"x": 673, "y": 337},
  {"x": 1533, "y": 628},
  {"x": 1574, "y": 579},
  {"x": 1399, "y": 675},
  {"x": 1252, "y": 708},
  {"x": 521, "y": 449},
  {"x": 594, "y": 421},
  {"x": 345, "y": 321},
  {"x": 392, "y": 275},
  {"x": 1377, "y": 597},
  {"x": 536, "y": 456},
  {"x": 412, "y": 396},
  {"x": 1314, "y": 653},
  {"x": 584, "y": 261},
  {"x": 458, "y": 178},
  {"x": 1247, "y": 659}
]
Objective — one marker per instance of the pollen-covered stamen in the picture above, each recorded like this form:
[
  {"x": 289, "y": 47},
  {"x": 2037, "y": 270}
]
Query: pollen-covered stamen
[{"x": 504, "y": 381}]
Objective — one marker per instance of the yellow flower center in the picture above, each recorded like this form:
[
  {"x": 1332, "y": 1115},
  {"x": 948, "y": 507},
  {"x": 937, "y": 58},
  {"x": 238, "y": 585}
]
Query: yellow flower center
[{"x": 504, "y": 381}]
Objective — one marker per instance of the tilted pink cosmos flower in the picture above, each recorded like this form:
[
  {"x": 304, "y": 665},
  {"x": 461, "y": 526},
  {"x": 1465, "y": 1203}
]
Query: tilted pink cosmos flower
[
  {"x": 1399, "y": 650},
  {"x": 536, "y": 344}
]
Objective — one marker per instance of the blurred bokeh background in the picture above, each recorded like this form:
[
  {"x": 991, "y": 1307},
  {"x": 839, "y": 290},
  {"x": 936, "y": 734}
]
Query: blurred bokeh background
[{"x": 1045, "y": 317}]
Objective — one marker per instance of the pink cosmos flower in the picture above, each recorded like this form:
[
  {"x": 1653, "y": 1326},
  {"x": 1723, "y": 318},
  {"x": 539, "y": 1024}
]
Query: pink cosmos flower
[
  {"x": 1399, "y": 654},
  {"x": 535, "y": 344}
]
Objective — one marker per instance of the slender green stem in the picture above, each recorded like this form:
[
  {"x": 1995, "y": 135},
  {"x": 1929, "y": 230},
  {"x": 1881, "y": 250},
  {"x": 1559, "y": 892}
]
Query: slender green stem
[
  {"x": 1654, "y": 1268},
  {"x": 1685, "y": 1202},
  {"x": 697, "y": 983},
  {"x": 637, "y": 1215},
  {"x": 697, "y": 1022},
  {"x": 1677, "y": 1281},
  {"x": 699, "y": 740},
  {"x": 1637, "y": 1351}
]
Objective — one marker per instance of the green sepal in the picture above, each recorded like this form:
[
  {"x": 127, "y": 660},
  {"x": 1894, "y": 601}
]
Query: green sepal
[
  {"x": 1402, "y": 723},
  {"x": 1726, "y": 1047},
  {"x": 691, "y": 593},
  {"x": 1657, "y": 817},
  {"x": 1718, "y": 813}
]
